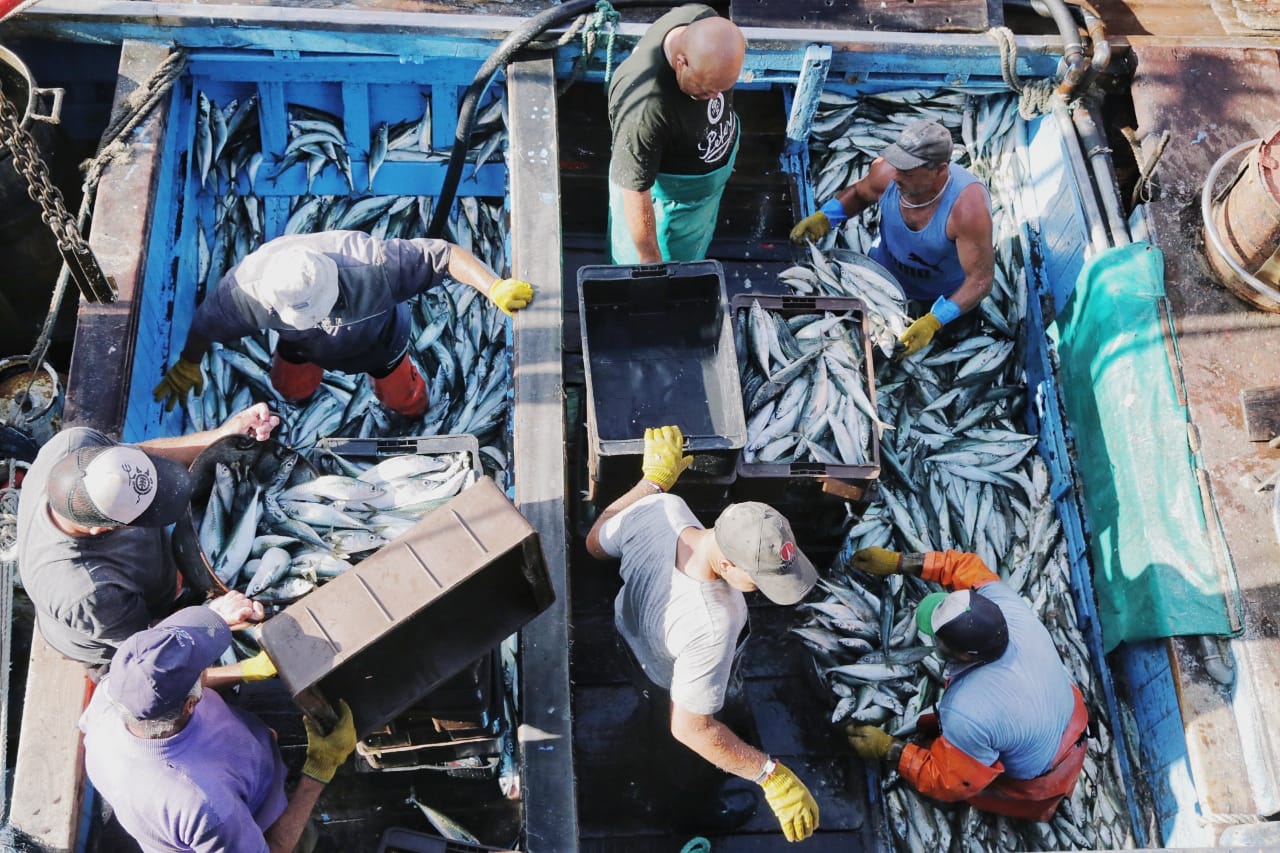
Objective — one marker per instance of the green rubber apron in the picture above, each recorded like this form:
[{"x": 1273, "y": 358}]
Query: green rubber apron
[{"x": 685, "y": 209}]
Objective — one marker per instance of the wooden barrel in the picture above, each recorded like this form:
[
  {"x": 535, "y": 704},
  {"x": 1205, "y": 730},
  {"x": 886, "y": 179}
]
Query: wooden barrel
[{"x": 1248, "y": 223}]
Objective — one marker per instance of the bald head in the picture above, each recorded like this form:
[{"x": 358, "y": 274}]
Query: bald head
[{"x": 708, "y": 56}]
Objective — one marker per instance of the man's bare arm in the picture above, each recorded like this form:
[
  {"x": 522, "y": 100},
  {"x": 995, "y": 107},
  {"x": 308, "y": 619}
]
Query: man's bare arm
[
  {"x": 970, "y": 226},
  {"x": 637, "y": 209}
]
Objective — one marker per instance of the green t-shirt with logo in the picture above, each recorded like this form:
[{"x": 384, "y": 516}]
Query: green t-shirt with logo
[{"x": 656, "y": 127}]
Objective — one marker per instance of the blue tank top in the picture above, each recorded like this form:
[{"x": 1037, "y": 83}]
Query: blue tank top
[{"x": 925, "y": 262}]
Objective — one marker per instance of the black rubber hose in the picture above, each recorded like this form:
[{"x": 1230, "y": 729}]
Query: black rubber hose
[{"x": 517, "y": 39}]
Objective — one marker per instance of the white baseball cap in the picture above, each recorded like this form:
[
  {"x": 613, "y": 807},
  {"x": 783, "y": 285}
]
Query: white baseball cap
[
  {"x": 117, "y": 485},
  {"x": 299, "y": 285}
]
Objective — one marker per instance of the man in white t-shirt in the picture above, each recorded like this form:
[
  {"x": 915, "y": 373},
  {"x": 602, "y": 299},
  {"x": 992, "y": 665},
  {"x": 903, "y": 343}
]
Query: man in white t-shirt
[{"x": 681, "y": 610}]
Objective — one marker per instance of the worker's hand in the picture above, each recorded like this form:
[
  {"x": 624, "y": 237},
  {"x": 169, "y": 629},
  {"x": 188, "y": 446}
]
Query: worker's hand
[
  {"x": 257, "y": 668},
  {"x": 872, "y": 743},
  {"x": 181, "y": 378},
  {"x": 814, "y": 227},
  {"x": 663, "y": 461},
  {"x": 511, "y": 294},
  {"x": 918, "y": 334},
  {"x": 237, "y": 609},
  {"x": 256, "y": 421},
  {"x": 325, "y": 753},
  {"x": 792, "y": 804},
  {"x": 876, "y": 561}
]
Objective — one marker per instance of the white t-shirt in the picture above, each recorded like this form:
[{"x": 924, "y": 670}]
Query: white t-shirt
[{"x": 682, "y": 631}]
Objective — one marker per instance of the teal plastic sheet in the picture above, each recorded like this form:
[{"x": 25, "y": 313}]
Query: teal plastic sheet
[{"x": 1155, "y": 573}]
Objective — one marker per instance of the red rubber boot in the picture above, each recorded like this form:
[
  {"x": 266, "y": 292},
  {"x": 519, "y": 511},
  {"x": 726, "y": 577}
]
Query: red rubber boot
[
  {"x": 402, "y": 390},
  {"x": 294, "y": 381}
]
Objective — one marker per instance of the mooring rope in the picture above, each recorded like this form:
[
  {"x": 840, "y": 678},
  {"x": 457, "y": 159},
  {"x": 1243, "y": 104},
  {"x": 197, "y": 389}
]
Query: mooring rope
[
  {"x": 1216, "y": 819},
  {"x": 1036, "y": 95},
  {"x": 1146, "y": 164},
  {"x": 137, "y": 107}
]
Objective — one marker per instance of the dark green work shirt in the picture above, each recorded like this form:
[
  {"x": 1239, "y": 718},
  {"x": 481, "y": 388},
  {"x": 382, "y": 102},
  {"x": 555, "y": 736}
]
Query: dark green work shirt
[{"x": 656, "y": 127}]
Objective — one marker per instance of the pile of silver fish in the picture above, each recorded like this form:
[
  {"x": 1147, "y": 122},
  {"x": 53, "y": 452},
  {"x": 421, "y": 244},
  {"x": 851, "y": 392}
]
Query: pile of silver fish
[
  {"x": 957, "y": 472},
  {"x": 278, "y": 540},
  {"x": 458, "y": 336},
  {"x": 805, "y": 388},
  {"x": 843, "y": 273}
]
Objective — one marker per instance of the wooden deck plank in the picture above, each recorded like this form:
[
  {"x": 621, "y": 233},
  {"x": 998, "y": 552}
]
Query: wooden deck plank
[
  {"x": 905, "y": 15},
  {"x": 48, "y": 775},
  {"x": 1210, "y": 99},
  {"x": 539, "y": 461}
]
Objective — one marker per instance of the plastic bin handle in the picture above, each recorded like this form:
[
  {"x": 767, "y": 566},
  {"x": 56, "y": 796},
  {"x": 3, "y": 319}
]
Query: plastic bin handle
[{"x": 650, "y": 271}]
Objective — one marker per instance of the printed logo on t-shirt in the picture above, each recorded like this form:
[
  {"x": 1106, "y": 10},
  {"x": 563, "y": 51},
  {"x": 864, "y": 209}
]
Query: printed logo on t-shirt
[
  {"x": 715, "y": 109},
  {"x": 721, "y": 133}
]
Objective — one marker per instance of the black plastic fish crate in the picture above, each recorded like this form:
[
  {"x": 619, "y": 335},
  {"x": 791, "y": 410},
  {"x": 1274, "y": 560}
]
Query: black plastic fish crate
[
  {"x": 657, "y": 347},
  {"x": 377, "y": 449},
  {"x": 788, "y": 482}
]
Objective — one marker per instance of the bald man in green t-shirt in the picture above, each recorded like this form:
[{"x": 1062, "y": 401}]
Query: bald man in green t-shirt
[{"x": 675, "y": 136}]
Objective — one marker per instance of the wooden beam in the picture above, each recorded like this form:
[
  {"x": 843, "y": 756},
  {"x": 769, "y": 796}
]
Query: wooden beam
[
  {"x": 49, "y": 779},
  {"x": 382, "y": 28},
  {"x": 48, "y": 782},
  {"x": 546, "y": 732}
]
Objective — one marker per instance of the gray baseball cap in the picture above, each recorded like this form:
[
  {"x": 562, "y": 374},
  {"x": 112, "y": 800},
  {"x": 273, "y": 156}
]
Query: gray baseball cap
[
  {"x": 920, "y": 142},
  {"x": 758, "y": 539}
]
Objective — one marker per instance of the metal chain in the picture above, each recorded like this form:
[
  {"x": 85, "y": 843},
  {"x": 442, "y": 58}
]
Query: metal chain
[
  {"x": 75, "y": 251},
  {"x": 29, "y": 163}
]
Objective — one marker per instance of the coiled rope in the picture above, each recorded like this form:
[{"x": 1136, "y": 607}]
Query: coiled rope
[
  {"x": 1036, "y": 95},
  {"x": 587, "y": 28}
]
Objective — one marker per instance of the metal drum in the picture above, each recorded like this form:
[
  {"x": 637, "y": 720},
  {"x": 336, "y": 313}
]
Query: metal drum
[
  {"x": 1242, "y": 230},
  {"x": 30, "y": 400}
]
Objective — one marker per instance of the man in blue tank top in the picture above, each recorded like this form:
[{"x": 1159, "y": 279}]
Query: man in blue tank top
[{"x": 935, "y": 226}]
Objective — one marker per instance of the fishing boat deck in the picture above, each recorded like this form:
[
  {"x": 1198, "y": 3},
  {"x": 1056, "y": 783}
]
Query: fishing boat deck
[
  {"x": 1211, "y": 87},
  {"x": 1213, "y": 84}
]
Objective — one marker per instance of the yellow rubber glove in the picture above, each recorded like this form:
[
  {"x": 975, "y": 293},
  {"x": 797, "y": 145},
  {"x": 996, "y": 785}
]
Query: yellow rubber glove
[
  {"x": 814, "y": 226},
  {"x": 663, "y": 463},
  {"x": 872, "y": 743},
  {"x": 877, "y": 561},
  {"x": 511, "y": 294},
  {"x": 257, "y": 668},
  {"x": 325, "y": 753},
  {"x": 919, "y": 333},
  {"x": 792, "y": 804},
  {"x": 181, "y": 378}
]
